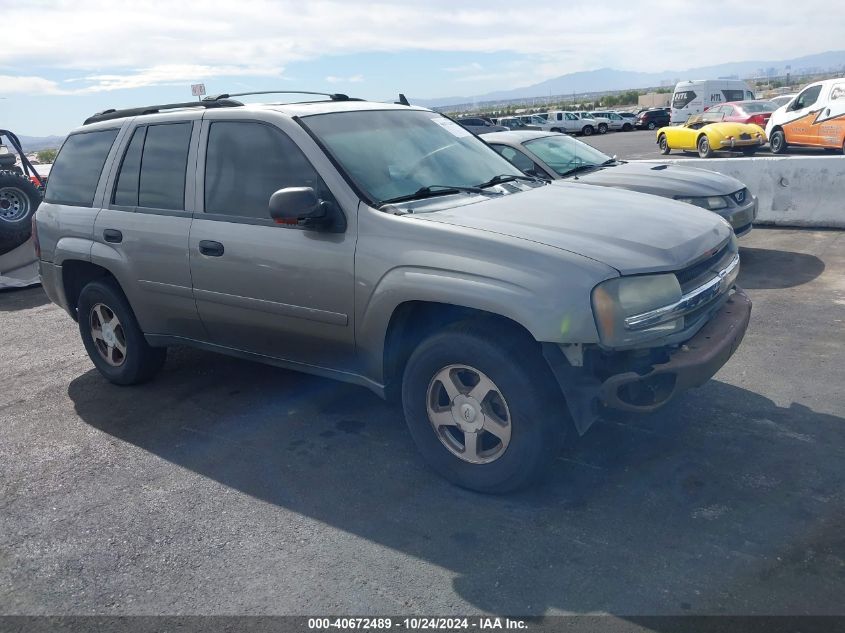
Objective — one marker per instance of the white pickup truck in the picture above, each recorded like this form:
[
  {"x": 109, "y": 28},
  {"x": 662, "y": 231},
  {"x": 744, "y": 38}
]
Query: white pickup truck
[{"x": 570, "y": 122}]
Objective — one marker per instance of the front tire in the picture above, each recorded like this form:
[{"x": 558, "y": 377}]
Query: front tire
[
  {"x": 703, "y": 145},
  {"x": 627, "y": 127},
  {"x": 587, "y": 130},
  {"x": 663, "y": 144},
  {"x": 777, "y": 142},
  {"x": 651, "y": 125},
  {"x": 112, "y": 337},
  {"x": 483, "y": 408}
]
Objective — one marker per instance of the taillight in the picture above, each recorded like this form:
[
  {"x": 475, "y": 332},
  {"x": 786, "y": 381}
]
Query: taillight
[
  {"x": 35, "y": 241},
  {"x": 758, "y": 119}
]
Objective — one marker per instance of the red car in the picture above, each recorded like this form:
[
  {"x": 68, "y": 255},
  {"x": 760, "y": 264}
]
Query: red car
[{"x": 757, "y": 112}]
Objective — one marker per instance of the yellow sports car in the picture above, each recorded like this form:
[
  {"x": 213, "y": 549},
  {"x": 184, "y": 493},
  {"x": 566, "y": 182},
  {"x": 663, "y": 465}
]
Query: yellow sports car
[{"x": 706, "y": 137}]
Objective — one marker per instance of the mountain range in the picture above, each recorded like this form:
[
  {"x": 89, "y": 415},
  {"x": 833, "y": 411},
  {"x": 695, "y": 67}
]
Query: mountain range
[{"x": 609, "y": 79}]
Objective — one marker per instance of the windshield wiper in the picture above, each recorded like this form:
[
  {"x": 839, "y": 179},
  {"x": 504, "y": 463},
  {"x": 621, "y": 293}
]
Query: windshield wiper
[
  {"x": 436, "y": 190},
  {"x": 497, "y": 180},
  {"x": 581, "y": 168}
]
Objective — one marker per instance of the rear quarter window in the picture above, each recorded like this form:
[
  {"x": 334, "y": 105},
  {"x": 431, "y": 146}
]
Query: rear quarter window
[{"x": 76, "y": 171}]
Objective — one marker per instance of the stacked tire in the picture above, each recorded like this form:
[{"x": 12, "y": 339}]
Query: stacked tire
[{"x": 19, "y": 199}]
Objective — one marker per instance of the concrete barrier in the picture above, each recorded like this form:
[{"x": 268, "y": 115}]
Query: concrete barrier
[{"x": 793, "y": 190}]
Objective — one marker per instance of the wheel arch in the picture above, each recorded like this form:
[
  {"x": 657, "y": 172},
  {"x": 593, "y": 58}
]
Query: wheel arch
[
  {"x": 413, "y": 321},
  {"x": 76, "y": 274}
]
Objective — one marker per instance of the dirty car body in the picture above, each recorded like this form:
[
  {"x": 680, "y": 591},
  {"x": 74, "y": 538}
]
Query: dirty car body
[
  {"x": 562, "y": 158},
  {"x": 409, "y": 258}
]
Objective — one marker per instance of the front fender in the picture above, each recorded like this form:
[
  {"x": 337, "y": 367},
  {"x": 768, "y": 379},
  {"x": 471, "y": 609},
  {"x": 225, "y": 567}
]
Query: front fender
[{"x": 546, "y": 316}]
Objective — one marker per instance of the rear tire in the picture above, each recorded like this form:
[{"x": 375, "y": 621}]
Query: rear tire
[
  {"x": 627, "y": 127},
  {"x": 749, "y": 151},
  {"x": 651, "y": 125},
  {"x": 602, "y": 128},
  {"x": 112, "y": 337},
  {"x": 587, "y": 130},
  {"x": 19, "y": 199},
  {"x": 555, "y": 129},
  {"x": 663, "y": 144},
  {"x": 518, "y": 389},
  {"x": 777, "y": 142},
  {"x": 703, "y": 145}
]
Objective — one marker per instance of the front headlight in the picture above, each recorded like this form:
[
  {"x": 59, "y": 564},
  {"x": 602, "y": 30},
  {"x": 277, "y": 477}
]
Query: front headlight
[
  {"x": 616, "y": 299},
  {"x": 711, "y": 203}
]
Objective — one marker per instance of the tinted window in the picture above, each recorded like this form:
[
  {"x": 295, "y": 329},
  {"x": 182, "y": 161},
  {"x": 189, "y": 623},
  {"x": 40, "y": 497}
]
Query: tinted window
[
  {"x": 76, "y": 172},
  {"x": 126, "y": 190},
  {"x": 733, "y": 95},
  {"x": 163, "y": 165},
  {"x": 807, "y": 98},
  {"x": 516, "y": 157},
  {"x": 247, "y": 162}
]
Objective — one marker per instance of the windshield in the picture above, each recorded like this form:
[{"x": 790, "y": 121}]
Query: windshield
[
  {"x": 393, "y": 153},
  {"x": 564, "y": 153},
  {"x": 758, "y": 106}
]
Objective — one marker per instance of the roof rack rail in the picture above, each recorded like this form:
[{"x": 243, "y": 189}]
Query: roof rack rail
[
  {"x": 334, "y": 96},
  {"x": 108, "y": 115}
]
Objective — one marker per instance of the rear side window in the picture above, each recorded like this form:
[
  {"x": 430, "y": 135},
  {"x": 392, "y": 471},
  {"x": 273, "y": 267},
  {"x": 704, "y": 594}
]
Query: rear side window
[
  {"x": 247, "y": 162},
  {"x": 163, "y": 165},
  {"x": 152, "y": 173},
  {"x": 76, "y": 172},
  {"x": 126, "y": 191}
]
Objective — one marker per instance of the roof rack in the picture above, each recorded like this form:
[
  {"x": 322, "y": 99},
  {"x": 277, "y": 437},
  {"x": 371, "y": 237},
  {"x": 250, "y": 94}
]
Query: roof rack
[
  {"x": 334, "y": 96},
  {"x": 108, "y": 115}
]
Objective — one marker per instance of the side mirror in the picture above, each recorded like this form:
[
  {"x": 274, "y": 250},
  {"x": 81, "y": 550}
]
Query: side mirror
[{"x": 300, "y": 206}]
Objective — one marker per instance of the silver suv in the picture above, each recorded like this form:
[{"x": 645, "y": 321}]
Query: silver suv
[{"x": 386, "y": 246}]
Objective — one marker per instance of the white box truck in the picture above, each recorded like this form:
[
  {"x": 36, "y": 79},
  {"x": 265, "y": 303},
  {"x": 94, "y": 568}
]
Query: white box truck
[{"x": 694, "y": 97}]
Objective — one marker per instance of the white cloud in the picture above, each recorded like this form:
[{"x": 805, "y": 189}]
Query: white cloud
[
  {"x": 10, "y": 85},
  {"x": 117, "y": 44},
  {"x": 466, "y": 68},
  {"x": 354, "y": 79}
]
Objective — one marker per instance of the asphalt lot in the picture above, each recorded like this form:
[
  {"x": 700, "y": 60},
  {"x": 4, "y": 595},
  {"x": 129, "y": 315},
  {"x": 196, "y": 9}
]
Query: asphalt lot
[
  {"x": 642, "y": 144},
  {"x": 226, "y": 487}
]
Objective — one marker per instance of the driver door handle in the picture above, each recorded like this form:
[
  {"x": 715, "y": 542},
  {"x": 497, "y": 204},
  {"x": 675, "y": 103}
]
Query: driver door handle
[{"x": 211, "y": 248}]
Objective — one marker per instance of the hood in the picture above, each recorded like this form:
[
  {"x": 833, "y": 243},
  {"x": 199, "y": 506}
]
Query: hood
[
  {"x": 632, "y": 232},
  {"x": 668, "y": 181}
]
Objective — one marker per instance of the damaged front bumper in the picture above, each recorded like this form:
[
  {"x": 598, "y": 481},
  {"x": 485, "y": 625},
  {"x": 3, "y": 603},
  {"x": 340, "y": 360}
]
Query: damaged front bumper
[{"x": 646, "y": 389}]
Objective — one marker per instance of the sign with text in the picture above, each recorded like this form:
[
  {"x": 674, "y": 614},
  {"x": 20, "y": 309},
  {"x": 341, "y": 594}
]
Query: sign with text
[{"x": 198, "y": 90}]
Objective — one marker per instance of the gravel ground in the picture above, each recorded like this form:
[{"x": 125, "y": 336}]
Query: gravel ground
[{"x": 226, "y": 487}]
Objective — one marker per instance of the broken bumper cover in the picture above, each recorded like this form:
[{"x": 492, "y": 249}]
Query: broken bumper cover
[{"x": 693, "y": 364}]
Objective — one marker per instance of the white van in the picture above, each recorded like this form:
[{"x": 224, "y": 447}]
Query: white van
[
  {"x": 694, "y": 97},
  {"x": 814, "y": 118}
]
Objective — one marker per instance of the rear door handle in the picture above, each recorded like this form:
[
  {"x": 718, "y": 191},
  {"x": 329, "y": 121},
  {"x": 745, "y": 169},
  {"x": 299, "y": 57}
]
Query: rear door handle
[
  {"x": 211, "y": 248},
  {"x": 113, "y": 235}
]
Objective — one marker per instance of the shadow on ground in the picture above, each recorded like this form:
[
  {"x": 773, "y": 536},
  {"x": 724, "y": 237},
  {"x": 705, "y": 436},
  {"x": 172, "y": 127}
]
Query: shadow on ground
[
  {"x": 764, "y": 268},
  {"x": 14, "y": 299},
  {"x": 724, "y": 496}
]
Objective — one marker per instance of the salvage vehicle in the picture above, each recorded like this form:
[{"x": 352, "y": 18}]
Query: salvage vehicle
[
  {"x": 560, "y": 121},
  {"x": 560, "y": 157},
  {"x": 602, "y": 124},
  {"x": 815, "y": 118},
  {"x": 706, "y": 137},
  {"x": 652, "y": 119},
  {"x": 615, "y": 121},
  {"x": 756, "y": 112},
  {"x": 20, "y": 195},
  {"x": 386, "y": 246}
]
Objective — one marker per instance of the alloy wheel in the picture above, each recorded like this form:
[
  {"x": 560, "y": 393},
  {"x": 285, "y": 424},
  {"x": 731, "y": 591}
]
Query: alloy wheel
[
  {"x": 107, "y": 332},
  {"x": 469, "y": 414}
]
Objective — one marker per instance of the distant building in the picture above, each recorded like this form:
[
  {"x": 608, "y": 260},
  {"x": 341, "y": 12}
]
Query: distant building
[{"x": 655, "y": 100}]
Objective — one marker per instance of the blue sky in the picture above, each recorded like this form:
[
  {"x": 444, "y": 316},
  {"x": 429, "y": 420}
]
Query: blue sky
[{"x": 63, "y": 60}]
